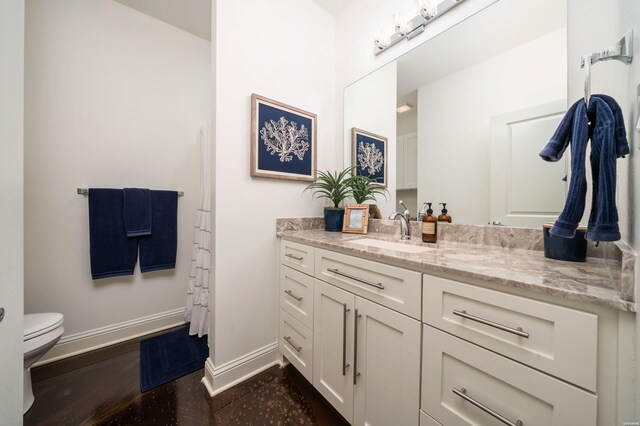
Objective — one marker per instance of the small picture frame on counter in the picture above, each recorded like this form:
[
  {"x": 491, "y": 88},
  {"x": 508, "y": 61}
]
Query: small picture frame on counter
[{"x": 356, "y": 218}]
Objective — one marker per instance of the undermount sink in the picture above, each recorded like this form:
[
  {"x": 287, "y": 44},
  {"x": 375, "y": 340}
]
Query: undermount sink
[{"x": 390, "y": 245}]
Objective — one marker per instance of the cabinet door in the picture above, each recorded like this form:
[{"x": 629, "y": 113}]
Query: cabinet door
[
  {"x": 400, "y": 162},
  {"x": 411, "y": 160},
  {"x": 387, "y": 363},
  {"x": 333, "y": 328}
]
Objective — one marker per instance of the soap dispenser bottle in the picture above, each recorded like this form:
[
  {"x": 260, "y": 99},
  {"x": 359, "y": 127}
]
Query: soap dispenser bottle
[
  {"x": 429, "y": 227},
  {"x": 444, "y": 217},
  {"x": 422, "y": 212}
]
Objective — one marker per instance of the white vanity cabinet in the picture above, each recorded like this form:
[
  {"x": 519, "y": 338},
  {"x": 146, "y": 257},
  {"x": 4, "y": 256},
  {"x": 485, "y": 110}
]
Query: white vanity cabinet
[
  {"x": 387, "y": 345},
  {"x": 366, "y": 355},
  {"x": 491, "y": 357}
]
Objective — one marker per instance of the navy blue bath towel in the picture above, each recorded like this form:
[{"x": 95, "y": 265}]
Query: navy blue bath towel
[
  {"x": 112, "y": 253},
  {"x": 137, "y": 211},
  {"x": 158, "y": 250}
]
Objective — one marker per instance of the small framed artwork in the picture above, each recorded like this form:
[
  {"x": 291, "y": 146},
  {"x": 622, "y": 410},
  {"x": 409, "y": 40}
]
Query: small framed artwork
[
  {"x": 283, "y": 140},
  {"x": 356, "y": 218},
  {"x": 369, "y": 155}
]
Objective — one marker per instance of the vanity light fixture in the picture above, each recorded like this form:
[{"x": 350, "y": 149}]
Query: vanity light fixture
[
  {"x": 404, "y": 108},
  {"x": 398, "y": 35},
  {"x": 414, "y": 26}
]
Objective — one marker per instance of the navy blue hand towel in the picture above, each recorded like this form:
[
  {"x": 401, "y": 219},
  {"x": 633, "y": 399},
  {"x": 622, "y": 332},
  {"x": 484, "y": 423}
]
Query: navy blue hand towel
[
  {"x": 605, "y": 146},
  {"x": 620, "y": 133},
  {"x": 158, "y": 250},
  {"x": 137, "y": 211},
  {"x": 563, "y": 135},
  {"x": 602, "y": 122},
  {"x": 112, "y": 253}
]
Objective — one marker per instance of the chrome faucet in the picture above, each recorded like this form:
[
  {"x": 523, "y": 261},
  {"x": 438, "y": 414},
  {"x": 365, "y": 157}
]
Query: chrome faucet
[{"x": 404, "y": 221}]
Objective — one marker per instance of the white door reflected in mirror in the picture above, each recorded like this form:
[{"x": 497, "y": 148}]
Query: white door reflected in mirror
[{"x": 525, "y": 192}]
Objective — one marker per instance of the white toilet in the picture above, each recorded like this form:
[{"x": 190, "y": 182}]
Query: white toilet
[{"x": 41, "y": 333}]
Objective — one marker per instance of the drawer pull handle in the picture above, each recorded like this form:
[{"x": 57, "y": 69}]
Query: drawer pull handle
[
  {"x": 345, "y": 310},
  {"x": 517, "y": 331},
  {"x": 372, "y": 284},
  {"x": 355, "y": 348},
  {"x": 462, "y": 393},
  {"x": 293, "y": 345},
  {"x": 290, "y": 293},
  {"x": 294, "y": 256}
]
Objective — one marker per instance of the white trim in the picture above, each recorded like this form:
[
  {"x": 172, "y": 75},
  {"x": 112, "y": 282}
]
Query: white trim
[
  {"x": 220, "y": 378},
  {"x": 78, "y": 343},
  {"x": 207, "y": 380}
]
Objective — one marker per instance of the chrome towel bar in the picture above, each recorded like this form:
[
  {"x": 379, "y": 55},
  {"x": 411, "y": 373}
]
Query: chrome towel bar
[{"x": 85, "y": 191}]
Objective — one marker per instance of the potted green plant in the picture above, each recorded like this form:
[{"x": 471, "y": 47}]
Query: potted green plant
[
  {"x": 364, "y": 188},
  {"x": 335, "y": 187}
]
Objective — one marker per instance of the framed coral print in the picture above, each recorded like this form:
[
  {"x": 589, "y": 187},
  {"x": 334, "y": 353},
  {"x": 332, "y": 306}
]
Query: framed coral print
[
  {"x": 283, "y": 140},
  {"x": 369, "y": 155}
]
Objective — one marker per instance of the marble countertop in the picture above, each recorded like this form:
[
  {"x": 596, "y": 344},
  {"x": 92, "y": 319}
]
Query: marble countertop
[{"x": 593, "y": 281}]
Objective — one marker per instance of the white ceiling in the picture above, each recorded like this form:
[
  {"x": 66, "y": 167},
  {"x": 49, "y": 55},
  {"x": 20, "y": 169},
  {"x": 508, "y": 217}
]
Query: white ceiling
[
  {"x": 496, "y": 29},
  {"x": 334, "y": 7},
  {"x": 193, "y": 16}
]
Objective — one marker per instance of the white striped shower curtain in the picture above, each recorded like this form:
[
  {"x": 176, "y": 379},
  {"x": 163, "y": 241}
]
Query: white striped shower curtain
[{"x": 197, "y": 312}]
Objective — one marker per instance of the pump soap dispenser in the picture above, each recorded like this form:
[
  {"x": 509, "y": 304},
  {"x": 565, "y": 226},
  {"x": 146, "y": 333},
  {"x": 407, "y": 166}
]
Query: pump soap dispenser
[
  {"x": 444, "y": 217},
  {"x": 429, "y": 227}
]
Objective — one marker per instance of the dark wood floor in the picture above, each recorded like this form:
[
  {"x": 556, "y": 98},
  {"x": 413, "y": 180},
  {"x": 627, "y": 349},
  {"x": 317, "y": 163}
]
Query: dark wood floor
[{"x": 104, "y": 389}]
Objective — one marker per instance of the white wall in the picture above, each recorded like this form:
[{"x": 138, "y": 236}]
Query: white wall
[
  {"x": 282, "y": 50},
  {"x": 594, "y": 25},
  {"x": 407, "y": 122},
  {"x": 11, "y": 222},
  {"x": 113, "y": 98},
  {"x": 454, "y": 120},
  {"x": 627, "y": 79},
  {"x": 372, "y": 107}
]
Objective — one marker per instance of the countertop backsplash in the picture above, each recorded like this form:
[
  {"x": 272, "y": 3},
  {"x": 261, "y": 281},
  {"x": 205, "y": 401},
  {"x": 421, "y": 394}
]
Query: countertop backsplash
[{"x": 488, "y": 235}]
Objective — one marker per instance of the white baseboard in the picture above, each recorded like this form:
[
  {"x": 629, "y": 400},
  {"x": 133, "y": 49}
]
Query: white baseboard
[
  {"x": 220, "y": 378},
  {"x": 75, "y": 344}
]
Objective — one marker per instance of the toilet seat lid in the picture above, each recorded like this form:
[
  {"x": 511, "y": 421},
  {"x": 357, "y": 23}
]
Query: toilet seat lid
[{"x": 38, "y": 324}]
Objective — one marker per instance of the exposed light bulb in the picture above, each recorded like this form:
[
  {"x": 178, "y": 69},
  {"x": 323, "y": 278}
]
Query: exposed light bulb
[
  {"x": 408, "y": 27},
  {"x": 396, "y": 21}
]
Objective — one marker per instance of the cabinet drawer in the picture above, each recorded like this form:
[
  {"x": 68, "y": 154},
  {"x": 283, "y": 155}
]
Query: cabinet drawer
[
  {"x": 296, "y": 295},
  {"x": 500, "y": 385},
  {"x": 389, "y": 286},
  {"x": 296, "y": 344},
  {"x": 561, "y": 341},
  {"x": 297, "y": 256}
]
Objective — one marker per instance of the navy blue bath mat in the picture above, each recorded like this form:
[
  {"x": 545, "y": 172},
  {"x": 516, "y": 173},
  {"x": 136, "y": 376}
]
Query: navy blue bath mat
[{"x": 169, "y": 356}]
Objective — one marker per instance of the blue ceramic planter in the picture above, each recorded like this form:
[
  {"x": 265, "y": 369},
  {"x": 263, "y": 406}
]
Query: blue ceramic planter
[{"x": 333, "y": 220}]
